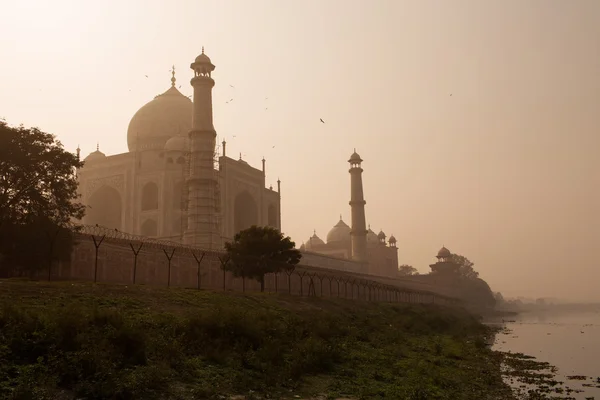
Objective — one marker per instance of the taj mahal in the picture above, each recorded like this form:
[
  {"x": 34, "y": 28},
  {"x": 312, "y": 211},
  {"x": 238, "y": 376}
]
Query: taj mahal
[{"x": 176, "y": 183}]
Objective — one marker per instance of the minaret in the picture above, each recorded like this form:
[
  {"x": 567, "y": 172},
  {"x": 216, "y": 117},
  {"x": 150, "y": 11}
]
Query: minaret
[
  {"x": 203, "y": 228},
  {"x": 357, "y": 206}
]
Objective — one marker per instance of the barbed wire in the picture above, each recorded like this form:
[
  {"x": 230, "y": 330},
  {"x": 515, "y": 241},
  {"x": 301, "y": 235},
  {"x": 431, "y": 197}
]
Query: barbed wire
[
  {"x": 306, "y": 273},
  {"x": 116, "y": 235}
]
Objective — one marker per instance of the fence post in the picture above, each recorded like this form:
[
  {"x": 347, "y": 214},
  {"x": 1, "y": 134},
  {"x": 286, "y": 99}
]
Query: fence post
[
  {"x": 97, "y": 244},
  {"x": 223, "y": 262},
  {"x": 198, "y": 261},
  {"x": 301, "y": 283},
  {"x": 135, "y": 256},
  {"x": 169, "y": 258},
  {"x": 289, "y": 275},
  {"x": 321, "y": 283}
]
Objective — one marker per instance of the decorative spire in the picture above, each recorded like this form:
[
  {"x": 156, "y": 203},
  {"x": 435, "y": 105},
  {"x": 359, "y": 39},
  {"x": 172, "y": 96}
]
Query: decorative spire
[
  {"x": 173, "y": 77},
  {"x": 202, "y": 49},
  {"x": 240, "y": 155},
  {"x": 97, "y": 146},
  {"x": 314, "y": 232},
  {"x": 340, "y": 217}
]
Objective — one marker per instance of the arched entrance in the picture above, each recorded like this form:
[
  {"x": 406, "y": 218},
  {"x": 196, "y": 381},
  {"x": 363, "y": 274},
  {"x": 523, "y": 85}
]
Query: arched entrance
[
  {"x": 104, "y": 208},
  {"x": 149, "y": 197},
  {"x": 245, "y": 212},
  {"x": 272, "y": 216}
]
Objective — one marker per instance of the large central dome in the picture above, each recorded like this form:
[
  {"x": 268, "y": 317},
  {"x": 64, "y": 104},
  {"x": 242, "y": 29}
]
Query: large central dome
[{"x": 168, "y": 115}]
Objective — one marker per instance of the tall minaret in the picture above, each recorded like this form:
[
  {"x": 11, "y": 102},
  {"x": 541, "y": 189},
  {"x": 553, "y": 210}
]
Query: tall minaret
[
  {"x": 357, "y": 206},
  {"x": 203, "y": 227}
]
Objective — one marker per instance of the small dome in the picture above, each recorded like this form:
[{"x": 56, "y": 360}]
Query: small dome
[
  {"x": 95, "y": 156},
  {"x": 176, "y": 143},
  {"x": 202, "y": 59},
  {"x": 372, "y": 236},
  {"x": 339, "y": 233},
  {"x": 355, "y": 158},
  {"x": 313, "y": 241},
  {"x": 381, "y": 235},
  {"x": 392, "y": 239},
  {"x": 444, "y": 253}
]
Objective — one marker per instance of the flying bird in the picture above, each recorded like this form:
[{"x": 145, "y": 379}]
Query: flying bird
[
  {"x": 232, "y": 86},
  {"x": 321, "y": 119},
  {"x": 450, "y": 94},
  {"x": 146, "y": 76},
  {"x": 273, "y": 147}
]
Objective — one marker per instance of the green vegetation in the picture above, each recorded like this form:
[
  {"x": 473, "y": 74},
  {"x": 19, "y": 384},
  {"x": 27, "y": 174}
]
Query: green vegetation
[
  {"x": 38, "y": 200},
  {"x": 260, "y": 250},
  {"x": 79, "y": 340}
]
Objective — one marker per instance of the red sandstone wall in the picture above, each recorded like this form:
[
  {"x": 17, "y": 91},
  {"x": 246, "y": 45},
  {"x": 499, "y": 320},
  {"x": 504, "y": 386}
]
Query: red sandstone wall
[{"x": 116, "y": 259}]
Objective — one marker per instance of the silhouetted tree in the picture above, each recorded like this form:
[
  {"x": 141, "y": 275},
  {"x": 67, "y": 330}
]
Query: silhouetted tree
[
  {"x": 407, "y": 270},
  {"x": 38, "y": 197},
  {"x": 466, "y": 266},
  {"x": 257, "y": 251}
]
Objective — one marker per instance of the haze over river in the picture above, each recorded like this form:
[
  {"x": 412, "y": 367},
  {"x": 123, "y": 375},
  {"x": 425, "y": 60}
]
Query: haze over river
[{"x": 568, "y": 340}]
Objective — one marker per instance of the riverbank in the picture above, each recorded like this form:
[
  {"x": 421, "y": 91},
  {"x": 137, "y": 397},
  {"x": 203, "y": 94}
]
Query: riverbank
[{"x": 79, "y": 340}]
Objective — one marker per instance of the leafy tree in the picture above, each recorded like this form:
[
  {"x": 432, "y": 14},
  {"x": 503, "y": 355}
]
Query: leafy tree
[
  {"x": 257, "y": 251},
  {"x": 38, "y": 197},
  {"x": 466, "y": 266},
  {"x": 407, "y": 270}
]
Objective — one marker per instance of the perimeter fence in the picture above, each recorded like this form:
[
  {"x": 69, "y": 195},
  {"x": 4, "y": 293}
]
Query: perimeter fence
[{"x": 111, "y": 256}]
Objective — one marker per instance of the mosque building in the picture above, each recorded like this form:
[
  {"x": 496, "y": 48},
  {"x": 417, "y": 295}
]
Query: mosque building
[
  {"x": 359, "y": 242},
  {"x": 173, "y": 184}
]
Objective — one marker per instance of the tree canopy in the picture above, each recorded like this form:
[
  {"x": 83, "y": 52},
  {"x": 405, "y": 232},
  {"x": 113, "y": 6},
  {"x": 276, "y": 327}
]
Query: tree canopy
[
  {"x": 407, "y": 270},
  {"x": 36, "y": 178},
  {"x": 257, "y": 251},
  {"x": 466, "y": 266},
  {"x": 38, "y": 197}
]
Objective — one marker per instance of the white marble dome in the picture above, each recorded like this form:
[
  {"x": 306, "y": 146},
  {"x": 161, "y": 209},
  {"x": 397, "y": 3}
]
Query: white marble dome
[
  {"x": 167, "y": 116},
  {"x": 339, "y": 233}
]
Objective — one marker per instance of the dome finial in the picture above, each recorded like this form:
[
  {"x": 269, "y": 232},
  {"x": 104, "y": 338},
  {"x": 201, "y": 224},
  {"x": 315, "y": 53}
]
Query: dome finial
[
  {"x": 202, "y": 49},
  {"x": 340, "y": 217},
  {"x": 173, "y": 77},
  {"x": 97, "y": 146}
]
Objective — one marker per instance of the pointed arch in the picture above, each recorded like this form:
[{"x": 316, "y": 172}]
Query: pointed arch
[
  {"x": 272, "y": 215},
  {"x": 149, "y": 197},
  {"x": 245, "y": 212},
  {"x": 104, "y": 207}
]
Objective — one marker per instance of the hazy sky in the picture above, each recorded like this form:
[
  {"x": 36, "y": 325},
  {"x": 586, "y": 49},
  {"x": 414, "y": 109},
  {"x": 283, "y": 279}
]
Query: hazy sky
[{"x": 506, "y": 171}]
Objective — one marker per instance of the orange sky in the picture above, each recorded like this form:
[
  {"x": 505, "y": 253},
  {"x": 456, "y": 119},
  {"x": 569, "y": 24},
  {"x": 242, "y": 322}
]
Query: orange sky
[{"x": 505, "y": 171}]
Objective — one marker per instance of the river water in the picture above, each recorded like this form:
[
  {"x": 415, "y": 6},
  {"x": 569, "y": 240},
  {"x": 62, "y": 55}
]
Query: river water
[{"x": 570, "y": 341}]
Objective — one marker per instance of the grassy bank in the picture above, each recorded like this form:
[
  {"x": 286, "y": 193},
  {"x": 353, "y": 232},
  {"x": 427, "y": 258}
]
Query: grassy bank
[{"x": 77, "y": 340}]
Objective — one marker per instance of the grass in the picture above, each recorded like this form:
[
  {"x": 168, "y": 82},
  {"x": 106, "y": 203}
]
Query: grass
[{"x": 79, "y": 340}]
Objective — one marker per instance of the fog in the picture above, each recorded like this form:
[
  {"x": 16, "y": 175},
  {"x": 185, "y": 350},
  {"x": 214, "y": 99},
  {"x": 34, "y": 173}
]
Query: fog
[{"x": 478, "y": 121}]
